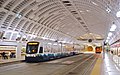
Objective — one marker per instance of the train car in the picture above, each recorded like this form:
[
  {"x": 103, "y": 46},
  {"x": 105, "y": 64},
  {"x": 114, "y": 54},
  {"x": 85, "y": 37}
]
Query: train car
[{"x": 36, "y": 52}]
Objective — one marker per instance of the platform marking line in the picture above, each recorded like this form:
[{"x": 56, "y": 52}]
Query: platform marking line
[
  {"x": 97, "y": 68},
  {"x": 67, "y": 62},
  {"x": 55, "y": 61}
]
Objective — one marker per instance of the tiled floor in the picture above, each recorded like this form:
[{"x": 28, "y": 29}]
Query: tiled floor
[{"x": 108, "y": 66}]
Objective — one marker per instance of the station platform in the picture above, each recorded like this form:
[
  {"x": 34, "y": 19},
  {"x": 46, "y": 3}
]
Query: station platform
[
  {"x": 106, "y": 65},
  {"x": 11, "y": 60}
]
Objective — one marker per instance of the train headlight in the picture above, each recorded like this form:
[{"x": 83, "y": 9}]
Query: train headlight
[
  {"x": 31, "y": 55},
  {"x": 28, "y": 55}
]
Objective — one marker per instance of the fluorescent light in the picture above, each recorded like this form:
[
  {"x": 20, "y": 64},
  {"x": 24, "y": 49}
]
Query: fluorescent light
[
  {"x": 52, "y": 39},
  {"x": 108, "y": 38},
  {"x": 118, "y": 14},
  {"x": 55, "y": 44},
  {"x": 63, "y": 45},
  {"x": 108, "y": 10},
  {"x": 62, "y": 41},
  {"x": 24, "y": 36},
  {"x": 50, "y": 43},
  {"x": 113, "y": 27},
  {"x": 18, "y": 35},
  {"x": 109, "y": 34},
  {"x": 18, "y": 15},
  {"x": 44, "y": 38}
]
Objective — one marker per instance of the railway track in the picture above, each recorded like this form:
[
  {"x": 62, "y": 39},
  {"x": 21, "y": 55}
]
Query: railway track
[
  {"x": 75, "y": 65},
  {"x": 81, "y": 67}
]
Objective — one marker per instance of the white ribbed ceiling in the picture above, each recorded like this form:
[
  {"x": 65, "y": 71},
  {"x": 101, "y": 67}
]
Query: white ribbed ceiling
[{"x": 58, "y": 19}]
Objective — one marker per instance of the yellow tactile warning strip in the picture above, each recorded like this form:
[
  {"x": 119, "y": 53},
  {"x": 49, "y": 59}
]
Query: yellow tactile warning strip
[{"x": 97, "y": 68}]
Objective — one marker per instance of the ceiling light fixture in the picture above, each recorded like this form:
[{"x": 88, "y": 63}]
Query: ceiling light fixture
[
  {"x": 24, "y": 36},
  {"x": 50, "y": 43},
  {"x": 109, "y": 34},
  {"x": 106, "y": 40},
  {"x": 113, "y": 27},
  {"x": 118, "y": 14},
  {"x": 18, "y": 35},
  {"x": 52, "y": 39},
  {"x": 44, "y": 38},
  {"x": 108, "y": 10},
  {"x": 18, "y": 15}
]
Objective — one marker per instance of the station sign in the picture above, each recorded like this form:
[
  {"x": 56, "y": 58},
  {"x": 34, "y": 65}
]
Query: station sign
[{"x": 33, "y": 43}]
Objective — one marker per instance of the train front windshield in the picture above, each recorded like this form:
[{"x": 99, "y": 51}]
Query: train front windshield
[{"x": 32, "y": 48}]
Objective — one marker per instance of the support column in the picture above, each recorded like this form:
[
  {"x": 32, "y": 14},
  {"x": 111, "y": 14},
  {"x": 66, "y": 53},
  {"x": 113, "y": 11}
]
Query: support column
[{"x": 18, "y": 51}]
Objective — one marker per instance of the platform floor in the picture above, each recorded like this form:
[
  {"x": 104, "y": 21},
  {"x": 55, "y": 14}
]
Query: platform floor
[
  {"x": 109, "y": 67},
  {"x": 106, "y": 65},
  {"x": 83, "y": 64}
]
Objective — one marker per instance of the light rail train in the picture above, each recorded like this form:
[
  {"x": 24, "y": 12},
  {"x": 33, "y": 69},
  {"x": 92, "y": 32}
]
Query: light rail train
[{"x": 36, "y": 52}]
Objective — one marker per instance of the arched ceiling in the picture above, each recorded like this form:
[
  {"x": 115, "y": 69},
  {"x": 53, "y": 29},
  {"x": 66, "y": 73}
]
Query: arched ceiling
[{"x": 66, "y": 20}]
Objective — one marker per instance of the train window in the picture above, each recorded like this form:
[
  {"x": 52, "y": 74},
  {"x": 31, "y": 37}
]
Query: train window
[
  {"x": 41, "y": 50},
  {"x": 32, "y": 48}
]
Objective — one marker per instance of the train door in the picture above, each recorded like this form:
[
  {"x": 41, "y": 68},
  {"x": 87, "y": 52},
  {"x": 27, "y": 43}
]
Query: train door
[{"x": 41, "y": 50}]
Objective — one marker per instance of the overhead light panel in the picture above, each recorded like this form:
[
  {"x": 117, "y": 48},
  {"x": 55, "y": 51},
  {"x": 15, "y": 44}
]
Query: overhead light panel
[
  {"x": 113, "y": 27},
  {"x": 108, "y": 38},
  {"x": 109, "y": 34},
  {"x": 24, "y": 36},
  {"x": 18, "y": 35},
  {"x": 55, "y": 44},
  {"x": 118, "y": 14},
  {"x": 50, "y": 43},
  {"x": 52, "y": 39},
  {"x": 44, "y": 38},
  {"x": 108, "y": 9},
  {"x": 18, "y": 15}
]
